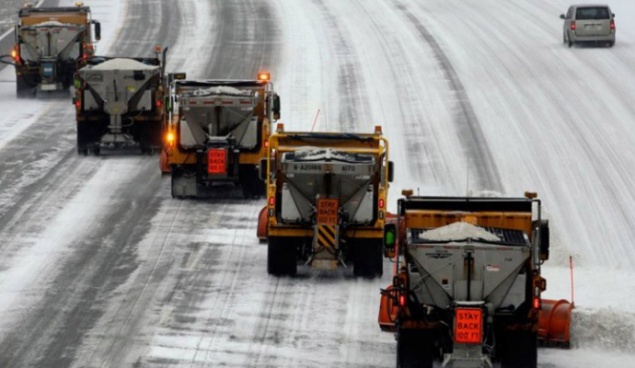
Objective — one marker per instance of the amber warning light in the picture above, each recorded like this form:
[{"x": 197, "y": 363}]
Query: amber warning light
[
  {"x": 264, "y": 76},
  {"x": 170, "y": 139}
]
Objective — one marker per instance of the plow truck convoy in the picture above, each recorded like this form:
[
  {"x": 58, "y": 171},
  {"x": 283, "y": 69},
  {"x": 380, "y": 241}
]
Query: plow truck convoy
[
  {"x": 467, "y": 284},
  {"x": 216, "y": 134},
  {"x": 119, "y": 102},
  {"x": 50, "y": 45},
  {"x": 326, "y": 201}
]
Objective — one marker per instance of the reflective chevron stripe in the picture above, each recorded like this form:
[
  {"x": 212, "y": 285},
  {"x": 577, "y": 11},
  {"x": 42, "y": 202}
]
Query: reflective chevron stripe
[{"x": 326, "y": 236}]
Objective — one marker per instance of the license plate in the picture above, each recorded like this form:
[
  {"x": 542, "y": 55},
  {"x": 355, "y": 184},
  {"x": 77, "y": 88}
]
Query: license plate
[
  {"x": 216, "y": 161},
  {"x": 468, "y": 326}
]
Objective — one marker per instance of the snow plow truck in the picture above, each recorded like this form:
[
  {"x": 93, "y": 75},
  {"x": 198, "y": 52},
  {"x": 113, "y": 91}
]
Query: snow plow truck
[
  {"x": 119, "y": 101},
  {"x": 50, "y": 45},
  {"x": 326, "y": 201},
  {"x": 467, "y": 284},
  {"x": 216, "y": 133}
]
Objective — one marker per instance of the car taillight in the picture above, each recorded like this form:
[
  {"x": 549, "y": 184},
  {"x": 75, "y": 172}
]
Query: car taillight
[
  {"x": 573, "y": 25},
  {"x": 612, "y": 25}
]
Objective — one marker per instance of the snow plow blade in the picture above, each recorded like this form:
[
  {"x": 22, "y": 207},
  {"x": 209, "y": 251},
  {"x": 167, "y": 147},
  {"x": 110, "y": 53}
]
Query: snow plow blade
[
  {"x": 387, "y": 311},
  {"x": 554, "y": 323},
  {"x": 263, "y": 218}
]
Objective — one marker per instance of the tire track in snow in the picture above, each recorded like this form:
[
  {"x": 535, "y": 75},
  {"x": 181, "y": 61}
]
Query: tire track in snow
[{"x": 472, "y": 139}]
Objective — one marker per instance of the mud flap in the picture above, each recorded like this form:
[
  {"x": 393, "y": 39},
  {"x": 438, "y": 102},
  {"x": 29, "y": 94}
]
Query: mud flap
[
  {"x": 183, "y": 184},
  {"x": 263, "y": 218},
  {"x": 387, "y": 311}
]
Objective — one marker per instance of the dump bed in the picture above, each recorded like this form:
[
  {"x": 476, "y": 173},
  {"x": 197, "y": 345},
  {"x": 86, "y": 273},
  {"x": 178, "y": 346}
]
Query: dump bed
[
  {"x": 219, "y": 110},
  {"x": 311, "y": 173},
  {"x": 468, "y": 249},
  {"x": 120, "y": 85}
]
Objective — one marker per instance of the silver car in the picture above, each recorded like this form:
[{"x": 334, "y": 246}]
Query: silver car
[{"x": 588, "y": 23}]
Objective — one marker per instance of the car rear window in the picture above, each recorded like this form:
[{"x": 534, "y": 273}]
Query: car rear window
[{"x": 595, "y": 12}]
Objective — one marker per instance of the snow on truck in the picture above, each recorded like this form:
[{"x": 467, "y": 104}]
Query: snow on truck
[
  {"x": 216, "y": 134},
  {"x": 119, "y": 102},
  {"x": 50, "y": 45},
  {"x": 467, "y": 284},
  {"x": 326, "y": 201}
]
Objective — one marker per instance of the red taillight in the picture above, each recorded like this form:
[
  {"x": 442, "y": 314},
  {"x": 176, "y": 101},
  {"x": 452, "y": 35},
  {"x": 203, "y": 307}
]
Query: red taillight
[
  {"x": 381, "y": 203},
  {"x": 572, "y": 26},
  {"x": 271, "y": 201},
  {"x": 159, "y": 104},
  {"x": 402, "y": 300},
  {"x": 612, "y": 24},
  {"x": 536, "y": 303},
  {"x": 78, "y": 104}
]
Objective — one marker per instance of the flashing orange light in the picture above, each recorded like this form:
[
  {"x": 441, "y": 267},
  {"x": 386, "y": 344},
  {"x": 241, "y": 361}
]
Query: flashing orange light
[
  {"x": 280, "y": 128},
  {"x": 264, "y": 76},
  {"x": 158, "y": 49},
  {"x": 169, "y": 138},
  {"x": 14, "y": 54},
  {"x": 377, "y": 129}
]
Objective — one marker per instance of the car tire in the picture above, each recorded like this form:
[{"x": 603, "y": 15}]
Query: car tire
[{"x": 611, "y": 43}]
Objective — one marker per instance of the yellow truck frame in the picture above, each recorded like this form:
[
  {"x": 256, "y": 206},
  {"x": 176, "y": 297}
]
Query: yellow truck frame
[{"x": 368, "y": 239}]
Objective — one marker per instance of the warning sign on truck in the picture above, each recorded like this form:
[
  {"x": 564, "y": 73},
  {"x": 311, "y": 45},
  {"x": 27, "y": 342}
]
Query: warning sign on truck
[
  {"x": 327, "y": 211},
  {"x": 216, "y": 161},
  {"x": 468, "y": 326}
]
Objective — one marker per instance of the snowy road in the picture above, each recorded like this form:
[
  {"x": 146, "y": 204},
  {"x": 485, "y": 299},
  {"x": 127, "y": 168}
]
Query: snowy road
[{"x": 99, "y": 267}]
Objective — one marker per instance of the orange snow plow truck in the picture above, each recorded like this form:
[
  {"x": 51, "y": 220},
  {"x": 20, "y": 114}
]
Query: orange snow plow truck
[
  {"x": 326, "y": 201},
  {"x": 216, "y": 133},
  {"x": 51, "y": 44},
  {"x": 467, "y": 284}
]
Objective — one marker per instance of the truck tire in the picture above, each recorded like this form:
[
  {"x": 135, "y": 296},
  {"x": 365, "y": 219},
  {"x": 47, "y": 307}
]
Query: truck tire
[
  {"x": 368, "y": 259},
  {"x": 82, "y": 140},
  {"x": 251, "y": 184},
  {"x": 519, "y": 349},
  {"x": 23, "y": 88},
  {"x": 414, "y": 349},
  {"x": 281, "y": 256}
]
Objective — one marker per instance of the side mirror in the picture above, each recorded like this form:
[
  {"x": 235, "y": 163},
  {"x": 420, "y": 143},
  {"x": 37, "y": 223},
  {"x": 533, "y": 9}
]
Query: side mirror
[
  {"x": 390, "y": 240},
  {"x": 276, "y": 107},
  {"x": 97, "y": 30},
  {"x": 541, "y": 235},
  {"x": 562, "y": 16},
  {"x": 391, "y": 171},
  {"x": 262, "y": 169}
]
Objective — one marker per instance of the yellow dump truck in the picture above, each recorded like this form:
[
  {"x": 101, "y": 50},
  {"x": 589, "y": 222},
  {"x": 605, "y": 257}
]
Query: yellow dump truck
[
  {"x": 326, "y": 201},
  {"x": 51, "y": 44},
  {"x": 216, "y": 134}
]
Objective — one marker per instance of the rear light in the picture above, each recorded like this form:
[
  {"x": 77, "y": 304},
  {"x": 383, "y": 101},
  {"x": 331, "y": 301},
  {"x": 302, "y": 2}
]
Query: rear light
[
  {"x": 159, "y": 104},
  {"x": 536, "y": 303},
  {"x": 572, "y": 26},
  {"x": 381, "y": 203},
  {"x": 78, "y": 104},
  {"x": 169, "y": 138},
  {"x": 402, "y": 300},
  {"x": 271, "y": 201},
  {"x": 612, "y": 25}
]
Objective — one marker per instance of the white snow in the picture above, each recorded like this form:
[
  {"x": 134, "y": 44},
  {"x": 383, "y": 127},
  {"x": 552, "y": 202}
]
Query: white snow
[
  {"x": 558, "y": 121},
  {"x": 221, "y": 90},
  {"x": 459, "y": 231},
  {"x": 123, "y": 64}
]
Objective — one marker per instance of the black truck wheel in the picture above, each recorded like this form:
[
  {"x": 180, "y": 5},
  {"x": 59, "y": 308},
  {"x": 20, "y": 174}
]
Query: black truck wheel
[
  {"x": 281, "y": 256},
  {"x": 414, "y": 349},
  {"x": 23, "y": 88},
  {"x": 367, "y": 257},
  {"x": 519, "y": 349}
]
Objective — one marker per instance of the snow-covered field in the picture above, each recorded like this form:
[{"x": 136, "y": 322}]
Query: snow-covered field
[{"x": 473, "y": 96}]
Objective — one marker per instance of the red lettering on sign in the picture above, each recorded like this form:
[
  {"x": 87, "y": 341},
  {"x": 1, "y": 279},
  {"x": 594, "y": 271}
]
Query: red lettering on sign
[
  {"x": 327, "y": 211},
  {"x": 468, "y": 326},
  {"x": 216, "y": 161}
]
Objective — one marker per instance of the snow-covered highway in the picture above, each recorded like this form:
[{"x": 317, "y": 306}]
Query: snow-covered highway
[{"x": 100, "y": 267}]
